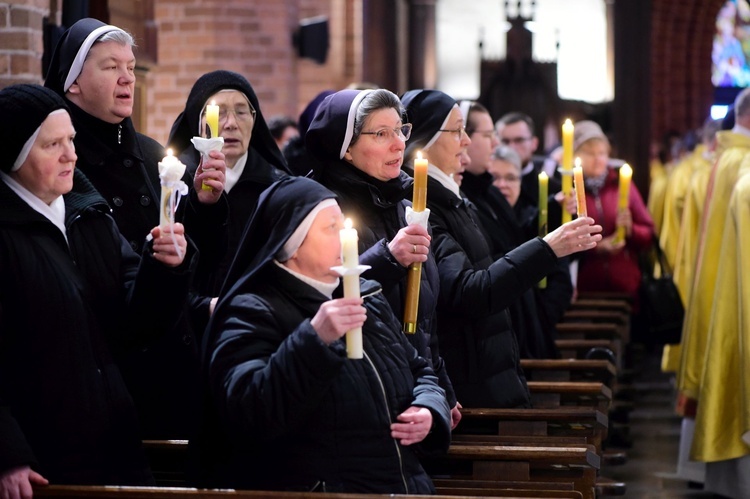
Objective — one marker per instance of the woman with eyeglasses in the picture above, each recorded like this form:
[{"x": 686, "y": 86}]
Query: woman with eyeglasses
[
  {"x": 358, "y": 139},
  {"x": 252, "y": 157},
  {"x": 474, "y": 327}
]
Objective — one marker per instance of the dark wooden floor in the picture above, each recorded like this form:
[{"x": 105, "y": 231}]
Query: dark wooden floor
[{"x": 655, "y": 432}]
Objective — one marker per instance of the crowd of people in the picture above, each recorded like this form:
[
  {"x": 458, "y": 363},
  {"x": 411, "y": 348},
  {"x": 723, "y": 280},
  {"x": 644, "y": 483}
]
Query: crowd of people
[
  {"x": 698, "y": 199},
  {"x": 226, "y": 325}
]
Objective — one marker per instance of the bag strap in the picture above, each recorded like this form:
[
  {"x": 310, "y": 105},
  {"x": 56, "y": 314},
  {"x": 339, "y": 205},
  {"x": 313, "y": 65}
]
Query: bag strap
[{"x": 666, "y": 271}]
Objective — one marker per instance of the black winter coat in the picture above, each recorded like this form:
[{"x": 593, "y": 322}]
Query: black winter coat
[
  {"x": 163, "y": 377},
  {"x": 504, "y": 231},
  {"x": 474, "y": 327},
  {"x": 380, "y": 209},
  {"x": 294, "y": 413},
  {"x": 66, "y": 310}
]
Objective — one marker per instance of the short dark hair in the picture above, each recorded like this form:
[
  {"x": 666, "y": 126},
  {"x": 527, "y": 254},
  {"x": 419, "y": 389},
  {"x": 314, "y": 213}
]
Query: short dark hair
[
  {"x": 516, "y": 117},
  {"x": 475, "y": 107},
  {"x": 277, "y": 124}
]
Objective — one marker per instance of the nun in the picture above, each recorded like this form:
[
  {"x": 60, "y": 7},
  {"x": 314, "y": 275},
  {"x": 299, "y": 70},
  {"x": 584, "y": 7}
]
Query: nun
[
  {"x": 358, "y": 139},
  {"x": 474, "y": 326},
  {"x": 253, "y": 160},
  {"x": 287, "y": 408},
  {"x": 73, "y": 297}
]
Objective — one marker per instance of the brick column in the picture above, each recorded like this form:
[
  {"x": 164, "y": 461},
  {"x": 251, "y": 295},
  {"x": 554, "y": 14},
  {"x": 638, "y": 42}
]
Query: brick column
[{"x": 21, "y": 45}]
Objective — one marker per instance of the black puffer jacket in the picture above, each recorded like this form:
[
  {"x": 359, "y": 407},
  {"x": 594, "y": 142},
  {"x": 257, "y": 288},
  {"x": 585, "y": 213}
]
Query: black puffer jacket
[
  {"x": 474, "y": 327},
  {"x": 296, "y": 414},
  {"x": 380, "y": 209},
  {"x": 66, "y": 310}
]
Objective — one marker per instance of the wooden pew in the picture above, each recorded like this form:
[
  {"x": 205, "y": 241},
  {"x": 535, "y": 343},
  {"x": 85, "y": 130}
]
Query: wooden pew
[
  {"x": 112, "y": 492},
  {"x": 570, "y": 370},
  {"x": 576, "y": 463},
  {"x": 559, "y": 393},
  {"x": 602, "y": 304},
  {"x": 568, "y": 421}
]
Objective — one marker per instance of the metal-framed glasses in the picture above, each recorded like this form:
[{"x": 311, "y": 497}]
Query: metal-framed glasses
[
  {"x": 241, "y": 113},
  {"x": 383, "y": 135},
  {"x": 458, "y": 131}
]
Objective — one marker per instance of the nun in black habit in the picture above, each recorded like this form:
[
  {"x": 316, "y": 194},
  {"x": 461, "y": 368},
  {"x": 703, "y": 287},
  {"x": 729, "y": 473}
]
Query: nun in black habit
[
  {"x": 287, "y": 409},
  {"x": 252, "y": 157},
  {"x": 365, "y": 173},
  {"x": 474, "y": 327}
]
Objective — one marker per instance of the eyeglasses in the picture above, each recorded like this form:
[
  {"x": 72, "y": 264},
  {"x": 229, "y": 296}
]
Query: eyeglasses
[
  {"x": 383, "y": 135},
  {"x": 458, "y": 131},
  {"x": 240, "y": 114},
  {"x": 515, "y": 140},
  {"x": 509, "y": 179},
  {"x": 487, "y": 134}
]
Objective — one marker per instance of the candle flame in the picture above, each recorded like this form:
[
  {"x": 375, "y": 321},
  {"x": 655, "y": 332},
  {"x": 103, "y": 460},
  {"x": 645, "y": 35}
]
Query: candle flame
[
  {"x": 626, "y": 168},
  {"x": 348, "y": 223},
  {"x": 577, "y": 161},
  {"x": 213, "y": 102},
  {"x": 169, "y": 152},
  {"x": 419, "y": 154},
  {"x": 568, "y": 122},
  {"x": 543, "y": 175}
]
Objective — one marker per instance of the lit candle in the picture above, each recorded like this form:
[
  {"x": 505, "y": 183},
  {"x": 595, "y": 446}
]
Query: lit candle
[
  {"x": 580, "y": 189},
  {"x": 567, "y": 164},
  {"x": 414, "y": 277},
  {"x": 212, "y": 118},
  {"x": 350, "y": 261},
  {"x": 626, "y": 173},
  {"x": 543, "y": 189},
  {"x": 171, "y": 171}
]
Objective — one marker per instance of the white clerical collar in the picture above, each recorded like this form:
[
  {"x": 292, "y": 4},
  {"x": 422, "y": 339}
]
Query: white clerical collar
[
  {"x": 741, "y": 130},
  {"x": 233, "y": 174},
  {"x": 54, "y": 212},
  {"x": 527, "y": 169},
  {"x": 445, "y": 180},
  {"x": 325, "y": 288}
]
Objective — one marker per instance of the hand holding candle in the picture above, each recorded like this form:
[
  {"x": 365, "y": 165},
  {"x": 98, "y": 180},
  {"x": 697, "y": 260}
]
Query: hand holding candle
[
  {"x": 543, "y": 192},
  {"x": 350, "y": 262},
  {"x": 580, "y": 189},
  {"x": 414, "y": 277},
  {"x": 623, "y": 200},
  {"x": 567, "y": 164}
]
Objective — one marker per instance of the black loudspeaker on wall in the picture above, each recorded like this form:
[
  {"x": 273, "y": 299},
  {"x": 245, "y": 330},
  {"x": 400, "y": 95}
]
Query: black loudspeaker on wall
[{"x": 311, "y": 38}]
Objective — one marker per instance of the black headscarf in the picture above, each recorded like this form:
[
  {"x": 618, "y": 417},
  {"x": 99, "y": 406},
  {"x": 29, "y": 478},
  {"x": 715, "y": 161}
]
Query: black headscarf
[
  {"x": 426, "y": 110},
  {"x": 332, "y": 129},
  {"x": 67, "y": 48},
  {"x": 280, "y": 210},
  {"x": 187, "y": 123},
  {"x": 29, "y": 105}
]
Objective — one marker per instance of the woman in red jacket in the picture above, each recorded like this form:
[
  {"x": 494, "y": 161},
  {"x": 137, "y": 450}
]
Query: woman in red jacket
[{"x": 611, "y": 266}]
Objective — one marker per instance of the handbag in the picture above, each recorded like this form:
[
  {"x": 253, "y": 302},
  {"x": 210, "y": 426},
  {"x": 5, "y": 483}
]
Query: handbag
[{"x": 661, "y": 305}]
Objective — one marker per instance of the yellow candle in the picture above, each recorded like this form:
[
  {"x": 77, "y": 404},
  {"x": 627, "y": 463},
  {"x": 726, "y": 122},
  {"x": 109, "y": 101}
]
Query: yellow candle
[
  {"x": 419, "y": 199},
  {"x": 414, "y": 277},
  {"x": 212, "y": 118},
  {"x": 543, "y": 192},
  {"x": 350, "y": 260},
  {"x": 171, "y": 171},
  {"x": 626, "y": 174},
  {"x": 580, "y": 189},
  {"x": 567, "y": 164}
]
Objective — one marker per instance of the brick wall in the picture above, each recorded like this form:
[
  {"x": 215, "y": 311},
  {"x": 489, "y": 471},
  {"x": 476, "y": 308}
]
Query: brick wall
[
  {"x": 681, "y": 41},
  {"x": 252, "y": 37},
  {"x": 21, "y": 45}
]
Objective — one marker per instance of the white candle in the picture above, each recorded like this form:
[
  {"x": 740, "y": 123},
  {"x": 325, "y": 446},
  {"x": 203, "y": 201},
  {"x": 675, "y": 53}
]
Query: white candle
[
  {"x": 171, "y": 171},
  {"x": 350, "y": 260}
]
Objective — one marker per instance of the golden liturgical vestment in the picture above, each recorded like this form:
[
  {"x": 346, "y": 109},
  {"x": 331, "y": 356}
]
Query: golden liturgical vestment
[
  {"x": 723, "y": 417},
  {"x": 689, "y": 206},
  {"x": 698, "y": 312}
]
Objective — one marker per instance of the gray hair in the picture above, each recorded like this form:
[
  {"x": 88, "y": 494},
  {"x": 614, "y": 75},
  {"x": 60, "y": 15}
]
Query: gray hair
[
  {"x": 507, "y": 154},
  {"x": 119, "y": 36},
  {"x": 742, "y": 103},
  {"x": 374, "y": 101}
]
